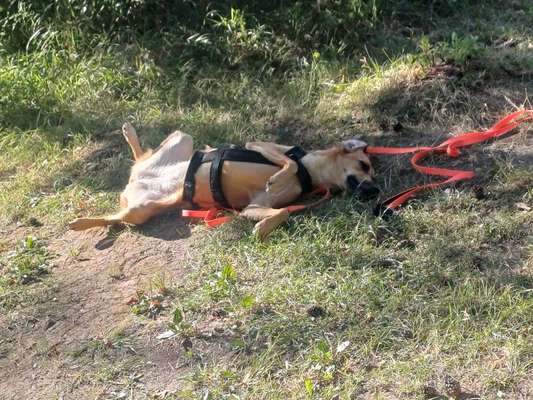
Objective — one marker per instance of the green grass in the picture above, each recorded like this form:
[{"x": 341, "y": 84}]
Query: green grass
[
  {"x": 337, "y": 303},
  {"x": 28, "y": 262},
  {"x": 411, "y": 296}
]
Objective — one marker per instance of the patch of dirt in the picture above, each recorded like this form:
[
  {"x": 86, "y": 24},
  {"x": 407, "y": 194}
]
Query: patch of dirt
[{"x": 65, "y": 345}]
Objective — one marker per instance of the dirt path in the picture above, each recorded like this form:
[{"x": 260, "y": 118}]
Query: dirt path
[{"x": 80, "y": 339}]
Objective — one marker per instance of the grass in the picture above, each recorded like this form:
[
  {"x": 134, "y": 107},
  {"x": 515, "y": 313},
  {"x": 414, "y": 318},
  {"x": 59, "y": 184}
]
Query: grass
[
  {"x": 28, "y": 262},
  {"x": 337, "y": 303},
  {"x": 412, "y": 305},
  {"x": 153, "y": 300}
]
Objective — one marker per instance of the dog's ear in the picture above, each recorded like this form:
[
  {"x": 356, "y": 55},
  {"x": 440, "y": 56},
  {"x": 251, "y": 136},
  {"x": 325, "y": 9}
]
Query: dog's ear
[{"x": 353, "y": 144}]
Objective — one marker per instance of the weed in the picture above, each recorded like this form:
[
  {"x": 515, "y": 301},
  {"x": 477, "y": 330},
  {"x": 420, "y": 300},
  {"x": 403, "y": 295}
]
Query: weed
[
  {"x": 152, "y": 301},
  {"x": 460, "y": 49},
  {"x": 115, "y": 271},
  {"x": 179, "y": 325},
  {"x": 146, "y": 304},
  {"x": 27, "y": 263},
  {"x": 222, "y": 283}
]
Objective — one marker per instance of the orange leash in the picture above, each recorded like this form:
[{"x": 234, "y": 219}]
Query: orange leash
[
  {"x": 451, "y": 148},
  {"x": 211, "y": 217},
  {"x": 215, "y": 216}
]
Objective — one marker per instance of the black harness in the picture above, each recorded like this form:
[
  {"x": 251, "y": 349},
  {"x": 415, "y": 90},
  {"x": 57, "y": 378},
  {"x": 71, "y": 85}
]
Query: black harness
[{"x": 235, "y": 153}]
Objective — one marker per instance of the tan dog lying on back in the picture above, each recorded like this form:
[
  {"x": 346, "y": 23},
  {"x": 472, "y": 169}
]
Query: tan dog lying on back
[{"x": 260, "y": 191}]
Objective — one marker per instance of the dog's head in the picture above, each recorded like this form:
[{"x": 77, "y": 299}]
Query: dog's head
[{"x": 354, "y": 169}]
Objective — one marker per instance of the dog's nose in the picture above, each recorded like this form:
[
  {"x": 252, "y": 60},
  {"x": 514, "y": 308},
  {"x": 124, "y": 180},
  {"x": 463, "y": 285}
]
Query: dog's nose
[
  {"x": 368, "y": 189},
  {"x": 352, "y": 183}
]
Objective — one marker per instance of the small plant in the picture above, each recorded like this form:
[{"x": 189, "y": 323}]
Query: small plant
[
  {"x": 223, "y": 282},
  {"x": 147, "y": 304},
  {"x": 245, "y": 44},
  {"x": 26, "y": 263},
  {"x": 461, "y": 49},
  {"x": 153, "y": 300},
  {"x": 428, "y": 50},
  {"x": 115, "y": 271},
  {"x": 322, "y": 361},
  {"x": 322, "y": 353},
  {"x": 309, "y": 386},
  {"x": 177, "y": 319},
  {"x": 181, "y": 327},
  {"x": 227, "y": 274},
  {"x": 248, "y": 301}
]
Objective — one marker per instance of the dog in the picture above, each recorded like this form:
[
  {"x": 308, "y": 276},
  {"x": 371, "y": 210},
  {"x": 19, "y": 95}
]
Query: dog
[{"x": 260, "y": 188}]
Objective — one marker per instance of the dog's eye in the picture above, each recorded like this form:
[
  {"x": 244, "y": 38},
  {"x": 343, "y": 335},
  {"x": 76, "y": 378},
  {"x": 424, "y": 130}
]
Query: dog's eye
[{"x": 364, "y": 166}]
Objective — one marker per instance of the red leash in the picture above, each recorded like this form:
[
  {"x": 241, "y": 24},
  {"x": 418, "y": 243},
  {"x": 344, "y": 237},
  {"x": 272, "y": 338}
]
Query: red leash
[
  {"x": 211, "y": 217},
  {"x": 451, "y": 148},
  {"x": 215, "y": 216}
]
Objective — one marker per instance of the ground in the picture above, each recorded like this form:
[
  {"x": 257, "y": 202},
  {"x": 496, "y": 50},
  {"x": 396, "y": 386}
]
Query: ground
[
  {"x": 84, "y": 314},
  {"x": 432, "y": 302}
]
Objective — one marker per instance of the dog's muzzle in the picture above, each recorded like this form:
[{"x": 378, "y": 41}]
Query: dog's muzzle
[{"x": 366, "y": 188}]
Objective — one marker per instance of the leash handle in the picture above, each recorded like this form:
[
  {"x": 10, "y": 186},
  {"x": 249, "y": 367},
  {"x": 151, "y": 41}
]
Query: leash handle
[{"x": 451, "y": 148}]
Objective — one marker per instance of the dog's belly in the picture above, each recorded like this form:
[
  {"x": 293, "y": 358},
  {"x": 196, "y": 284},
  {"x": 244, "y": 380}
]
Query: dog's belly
[
  {"x": 241, "y": 181},
  {"x": 155, "y": 183}
]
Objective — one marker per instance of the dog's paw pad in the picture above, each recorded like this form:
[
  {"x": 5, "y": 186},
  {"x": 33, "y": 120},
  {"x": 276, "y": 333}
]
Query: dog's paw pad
[
  {"x": 128, "y": 130},
  {"x": 259, "y": 230}
]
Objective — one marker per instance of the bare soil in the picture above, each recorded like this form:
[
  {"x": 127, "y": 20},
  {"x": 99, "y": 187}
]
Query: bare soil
[{"x": 79, "y": 338}]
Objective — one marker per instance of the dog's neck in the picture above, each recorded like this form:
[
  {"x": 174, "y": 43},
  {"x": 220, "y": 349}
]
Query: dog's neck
[{"x": 318, "y": 164}]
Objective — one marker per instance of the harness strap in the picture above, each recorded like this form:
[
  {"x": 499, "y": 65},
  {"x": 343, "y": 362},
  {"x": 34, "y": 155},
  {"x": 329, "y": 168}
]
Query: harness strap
[
  {"x": 215, "y": 181},
  {"x": 214, "y": 217},
  {"x": 296, "y": 154},
  {"x": 229, "y": 154},
  {"x": 244, "y": 155},
  {"x": 232, "y": 153},
  {"x": 189, "y": 183}
]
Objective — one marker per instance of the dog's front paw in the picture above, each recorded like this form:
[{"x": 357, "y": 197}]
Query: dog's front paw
[
  {"x": 282, "y": 179},
  {"x": 80, "y": 224},
  {"x": 263, "y": 228},
  {"x": 276, "y": 184}
]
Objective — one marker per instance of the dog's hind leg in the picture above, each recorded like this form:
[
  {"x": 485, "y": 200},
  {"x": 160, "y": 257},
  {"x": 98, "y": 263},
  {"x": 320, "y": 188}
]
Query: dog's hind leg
[
  {"x": 133, "y": 215},
  {"x": 80, "y": 224},
  {"x": 177, "y": 147},
  {"x": 269, "y": 218},
  {"x": 129, "y": 133}
]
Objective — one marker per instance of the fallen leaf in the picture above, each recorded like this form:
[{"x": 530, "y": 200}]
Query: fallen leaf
[
  {"x": 523, "y": 206},
  {"x": 166, "y": 335},
  {"x": 342, "y": 346}
]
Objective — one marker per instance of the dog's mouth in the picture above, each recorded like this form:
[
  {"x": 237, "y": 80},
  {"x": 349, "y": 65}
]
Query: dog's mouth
[{"x": 365, "y": 189}]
